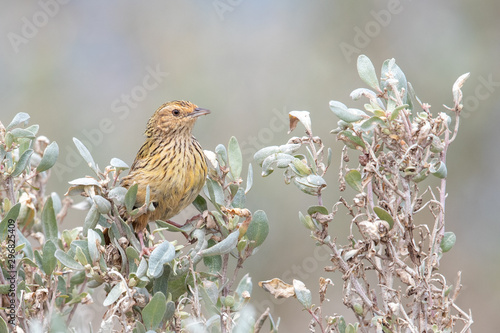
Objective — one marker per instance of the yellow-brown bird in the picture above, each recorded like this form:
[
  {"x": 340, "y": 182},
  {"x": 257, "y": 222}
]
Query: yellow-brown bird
[{"x": 171, "y": 162}]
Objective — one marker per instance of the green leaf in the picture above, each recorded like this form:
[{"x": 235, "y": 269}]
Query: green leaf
[
  {"x": 80, "y": 256},
  {"x": 438, "y": 168},
  {"x": 372, "y": 123},
  {"x": 67, "y": 260},
  {"x": 162, "y": 254},
  {"x": 213, "y": 263},
  {"x": 103, "y": 205},
  {"x": 19, "y": 118},
  {"x": 258, "y": 228},
  {"x": 118, "y": 194},
  {"x": 85, "y": 153},
  {"x": 118, "y": 164},
  {"x": 3, "y": 326},
  {"x": 221, "y": 152},
  {"x": 448, "y": 241},
  {"x": 239, "y": 200},
  {"x": 235, "y": 158},
  {"x": 317, "y": 209},
  {"x": 49, "y": 262},
  {"x": 391, "y": 70},
  {"x": 244, "y": 285},
  {"x": 224, "y": 246},
  {"x": 353, "y": 178},
  {"x": 395, "y": 112},
  {"x": 200, "y": 203},
  {"x": 93, "y": 239},
  {"x": 131, "y": 197},
  {"x": 22, "y": 163},
  {"x": 214, "y": 192},
  {"x": 18, "y": 133},
  {"x": 49, "y": 222},
  {"x": 8, "y": 220},
  {"x": 91, "y": 219},
  {"x": 366, "y": 72},
  {"x": 153, "y": 312},
  {"x": 263, "y": 153},
  {"x": 169, "y": 313},
  {"x": 115, "y": 294},
  {"x": 384, "y": 215},
  {"x": 346, "y": 114},
  {"x": 249, "y": 178},
  {"x": 160, "y": 284},
  {"x": 303, "y": 294},
  {"x": 307, "y": 221},
  {"x": 49, "y": 158}
]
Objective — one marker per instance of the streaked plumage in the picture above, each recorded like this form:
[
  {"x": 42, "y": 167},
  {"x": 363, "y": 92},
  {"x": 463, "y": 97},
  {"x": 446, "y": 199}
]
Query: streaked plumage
[{"x": 171, "y": 162}]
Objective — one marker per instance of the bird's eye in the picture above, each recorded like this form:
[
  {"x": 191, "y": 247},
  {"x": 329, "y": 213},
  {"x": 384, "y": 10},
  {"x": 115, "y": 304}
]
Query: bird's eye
[{"x": 176, "y": 112}]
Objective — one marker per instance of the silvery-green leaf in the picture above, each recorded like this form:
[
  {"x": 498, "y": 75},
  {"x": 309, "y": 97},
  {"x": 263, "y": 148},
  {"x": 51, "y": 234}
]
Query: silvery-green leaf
[
  {"x": 131, "y": 197},
  {"x": 367, "y": 73},
  {"x": 49, "y": 262},
  {"x": 162, "y": 254},
  {"x": 360, "y": 92},
  {"x": 303, "y": 294},
  {"x": 115, "y": 293},
  {"x": 224, "y": 246},
  {"x": 49, "y": 158},
  {"x": 384, "y": 215},
  {"x": 392, "y": 73},
  {"x": 67, "y": 260},
  {"x": 19, "y": 118},
  {"x": 346, "y": 114},
  {"x": 438, "y": 168},
  {"x": 118, "y": 194},
  {"x": 235, "y": 159},
  {"x": 372, "y": 123},
  {"x": 261, "y": 155},
  {"x": 153, "y": 312},
  {"x": 353, "y": 178},
  {"x": 103, "y": 205},
  {"x": 22, "y": 163},
  {"x": 448, "y": 241},
  {"x": 118, "y": 164},
  {"x": 289, "y": 148},
  {"x": 85, "y": 153},
  {"x": 91, "y": 219},
  {"x": 258, "y": 229},
  {"x": 22, "y": 133},
  {"x": 86, "y": 181},
  {"x": 221, "y": 152},
  {"x": 49, "y": 222},
  {"x": 93, "y": 239},
  {"x": 249, "y": 178}
]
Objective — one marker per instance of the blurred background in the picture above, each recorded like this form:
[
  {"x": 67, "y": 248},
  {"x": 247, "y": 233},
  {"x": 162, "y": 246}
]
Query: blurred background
[{"x": 98, "y": 70}]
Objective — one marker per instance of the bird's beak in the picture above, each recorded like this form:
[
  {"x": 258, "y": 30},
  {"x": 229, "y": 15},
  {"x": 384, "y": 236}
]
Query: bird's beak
[{"x": 199, "y": 112}]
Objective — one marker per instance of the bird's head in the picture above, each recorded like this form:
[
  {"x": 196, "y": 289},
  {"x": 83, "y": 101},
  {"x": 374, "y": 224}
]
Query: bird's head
[{"x": 174, "y": 118}]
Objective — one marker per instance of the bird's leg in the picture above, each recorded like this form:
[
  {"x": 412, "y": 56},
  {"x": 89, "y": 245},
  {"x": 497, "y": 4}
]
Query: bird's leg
[{"x": 144, "y": 249}]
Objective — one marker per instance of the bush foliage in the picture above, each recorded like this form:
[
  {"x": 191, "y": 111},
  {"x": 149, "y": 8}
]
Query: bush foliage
[{"x": 195, "y": 284}]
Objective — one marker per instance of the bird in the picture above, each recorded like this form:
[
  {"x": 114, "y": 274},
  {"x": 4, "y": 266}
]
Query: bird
[{"x": 171, "y": 161}]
